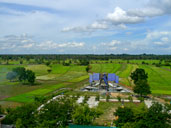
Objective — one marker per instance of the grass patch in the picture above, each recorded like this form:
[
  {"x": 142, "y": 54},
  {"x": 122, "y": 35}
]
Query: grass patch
[
  {"x": 79, "y": 79},
  {"x": 159, "y": 79},
  {"x": 38, "y": 69},
  {"x": 29, "y": 96}
]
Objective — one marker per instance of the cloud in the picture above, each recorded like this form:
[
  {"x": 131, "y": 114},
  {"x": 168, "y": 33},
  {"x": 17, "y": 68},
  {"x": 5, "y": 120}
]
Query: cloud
[
  {"x": 154, "y": 8},
  {"x": 98, "y": 25},
  {"x": 158, "y": 43},
  {"x": 94, "y": 27},
  {"x": 119, "y": 16},
  {"x": 165, "y": 39},
  {"x": 24, "y": 42},
  {"x": 165, "y": 5},
  {"x": 146, "y": 12},
  {"x": 13, "y": 42},
  {"x": 89, "y": 28},
  {"x": 113, "y": 45},
  {"x": 157, "y": 34}
]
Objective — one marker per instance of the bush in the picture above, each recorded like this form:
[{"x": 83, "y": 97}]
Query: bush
[
  {"x": 85, "y": 99},
  {"x": 97, "y": 97},
  {"x": 1, "y": 110},
  {"x": 141, "y": 99},
  {"x": 107, "y": 98},
  {"x": 130, "y": 98},
  {"x": 119, "y": 98}
]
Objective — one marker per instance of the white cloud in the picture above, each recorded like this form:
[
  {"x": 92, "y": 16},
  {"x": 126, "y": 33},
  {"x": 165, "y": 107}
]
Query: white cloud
[
  {"x": 23, "y": 42},
  {"x": 52, "y": 45},
  {"x": 158, "y": 43},
  {"x": 146, "y": 12},
  {"x": 90, "y": 28},
  {"x": 28, "y": 45},
  {"x": 98, "y": 25},
  {"x": 157, "y": 34},
  {"x": 113, "y": 48},
  {"x": 112, "y": 43},
  {"x": 119, "y": 16},
  {"x": 165, "y": 39},
  {"x": 123, "y": 26},
  {"x": 125, "y": 49}
]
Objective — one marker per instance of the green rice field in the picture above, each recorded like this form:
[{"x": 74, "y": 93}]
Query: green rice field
[{"x": 67, "y": 76}]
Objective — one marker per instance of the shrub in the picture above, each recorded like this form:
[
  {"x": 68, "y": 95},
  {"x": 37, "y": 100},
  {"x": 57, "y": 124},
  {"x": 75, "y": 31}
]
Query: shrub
[
  {"x": 119, "y": 98},
  {"x": 97, "y": 97}
]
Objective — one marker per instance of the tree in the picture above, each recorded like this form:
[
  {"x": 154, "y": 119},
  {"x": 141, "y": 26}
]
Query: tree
[
  {"x": 56, "y": 113},
  {"x": 88, "y": 68},
  {"x": 124, "y": 115},
  {"x": 21, "y": 61},
  {"x": 157, "y": 116},
  {"x": 141, "y": 87},
  {"x": 139, "y": 74},
  {"x": 19, "y": 123},
  {"x": 84, "y": 62},
  {"x": 23, "y": 115},
  {"x": 83, "y": 115},
  {"x": 11, "y": 76},
  {"x": 49, "y": 70},
  {"x": 48, "y": 63},
  {"x": 21, "y": 73},
  {"x": 30, "y": 76}
]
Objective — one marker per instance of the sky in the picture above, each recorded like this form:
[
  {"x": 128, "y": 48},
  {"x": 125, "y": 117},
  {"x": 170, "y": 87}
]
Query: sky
[{"x": 85, "y": 26}]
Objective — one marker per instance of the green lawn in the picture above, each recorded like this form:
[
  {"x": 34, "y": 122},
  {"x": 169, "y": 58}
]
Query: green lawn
[{"x": 159, "y": 79}]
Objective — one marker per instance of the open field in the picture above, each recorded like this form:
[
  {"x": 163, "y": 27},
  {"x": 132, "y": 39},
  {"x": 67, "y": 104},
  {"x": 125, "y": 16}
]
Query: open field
[
  {"x": 71, "y": 77},
  {"x": 159, "y": 79}
]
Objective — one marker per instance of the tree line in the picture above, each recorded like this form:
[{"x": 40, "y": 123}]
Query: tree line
[{"x": 41, "y": 57}]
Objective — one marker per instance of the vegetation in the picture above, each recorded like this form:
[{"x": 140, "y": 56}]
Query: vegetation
[
  {"x": 22, "y": 75},
  {"x": 83, "y": 115},
  {"x": 140, "y": 80},
  {"x": 156, "y": 116},
  {"x": 139, "y": 74},
  {"x": 141, "y": 87},
  {"x": 1, "y": 110},
  {"x": 57, "y": 113}
]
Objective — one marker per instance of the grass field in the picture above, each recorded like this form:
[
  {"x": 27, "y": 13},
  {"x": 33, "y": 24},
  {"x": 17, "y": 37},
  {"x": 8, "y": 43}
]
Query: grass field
[
  {"x": 159, "y": 79},
  {"x": 29, "y": 96},
  {"x": 70, "y": 76}
]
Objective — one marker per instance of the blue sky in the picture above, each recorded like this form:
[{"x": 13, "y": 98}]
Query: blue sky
[{"x": 85, "y": 26}]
